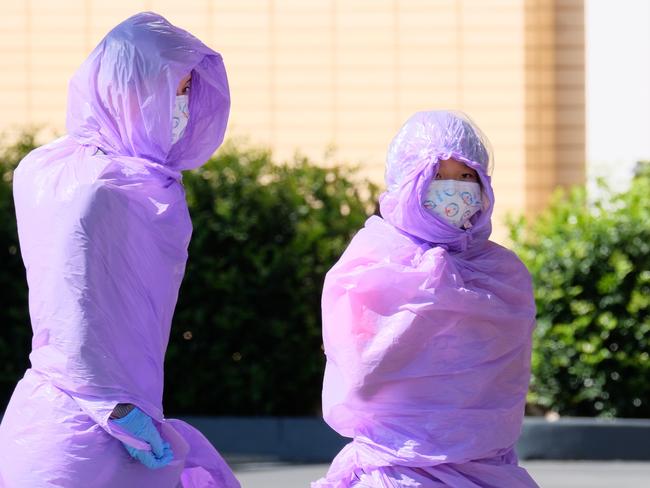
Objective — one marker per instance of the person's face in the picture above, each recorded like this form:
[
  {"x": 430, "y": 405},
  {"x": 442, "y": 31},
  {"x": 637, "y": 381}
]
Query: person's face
[
  {"x": 184, "y": 85},
  {"x": 450, "y": 169}
]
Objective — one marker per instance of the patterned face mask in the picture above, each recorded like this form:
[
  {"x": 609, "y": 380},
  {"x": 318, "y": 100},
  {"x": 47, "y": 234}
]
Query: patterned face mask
[
  {"x": 454, "y": 201},
  {"x": 180, "y": 115}
]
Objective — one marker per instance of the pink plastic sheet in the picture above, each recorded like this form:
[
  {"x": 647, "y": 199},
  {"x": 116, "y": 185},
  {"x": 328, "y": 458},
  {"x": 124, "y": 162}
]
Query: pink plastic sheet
[{"x": 427, "y": 331}]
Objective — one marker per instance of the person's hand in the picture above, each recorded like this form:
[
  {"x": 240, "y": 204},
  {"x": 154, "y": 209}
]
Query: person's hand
[{"x": 140, "y": 425}]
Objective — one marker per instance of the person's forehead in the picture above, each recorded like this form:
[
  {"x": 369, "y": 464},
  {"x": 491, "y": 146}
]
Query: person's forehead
[{"x": 454, "y": 164}]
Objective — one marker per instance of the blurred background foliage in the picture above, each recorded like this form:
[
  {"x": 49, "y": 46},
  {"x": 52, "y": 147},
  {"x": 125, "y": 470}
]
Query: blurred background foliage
[
  {"x": 590, "y": 262},
  {"x": 247, "y": 332},
  {"x": 246, "y": 335},
  {"x": 15, "y": 331}
]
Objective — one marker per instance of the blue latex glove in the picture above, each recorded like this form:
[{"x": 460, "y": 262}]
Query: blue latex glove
[{"x": 140, "y": 425}]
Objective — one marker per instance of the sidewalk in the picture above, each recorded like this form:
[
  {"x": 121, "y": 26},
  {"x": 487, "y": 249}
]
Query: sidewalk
[{"x": 548, "y": 474}]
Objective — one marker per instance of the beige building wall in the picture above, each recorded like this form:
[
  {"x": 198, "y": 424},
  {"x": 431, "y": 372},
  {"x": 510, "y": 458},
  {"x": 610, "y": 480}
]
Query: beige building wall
[
  {"x": 555, "y": 150},
  {"x": 340, "y": 77}
]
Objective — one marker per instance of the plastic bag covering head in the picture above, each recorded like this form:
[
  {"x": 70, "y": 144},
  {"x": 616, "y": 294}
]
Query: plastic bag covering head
[
  {"x": 104, "y": 238},
  {"x": 412, "y": 163},
  {"x": 434, "y": 135},
  {"x": 121, "y": 98}
]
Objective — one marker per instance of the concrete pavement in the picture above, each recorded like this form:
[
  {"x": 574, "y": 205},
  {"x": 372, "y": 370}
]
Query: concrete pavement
[{"x": 548, "y": 474}]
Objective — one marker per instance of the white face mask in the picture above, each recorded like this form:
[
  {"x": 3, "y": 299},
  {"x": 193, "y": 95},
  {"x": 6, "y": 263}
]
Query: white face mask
[
  {"x": 455, "y": 201},
  {"x": 180, "y": 115}
]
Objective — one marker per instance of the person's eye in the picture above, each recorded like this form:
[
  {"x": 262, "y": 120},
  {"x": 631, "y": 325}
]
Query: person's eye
[
  {"x": 438, "y": 177},
  {"x": 468, "y": 176}
]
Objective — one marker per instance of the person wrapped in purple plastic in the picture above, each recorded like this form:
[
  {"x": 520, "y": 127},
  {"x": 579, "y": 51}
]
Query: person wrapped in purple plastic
[
  {"x": 104, "y": 229},
  {"x": 427, "y": 325}
]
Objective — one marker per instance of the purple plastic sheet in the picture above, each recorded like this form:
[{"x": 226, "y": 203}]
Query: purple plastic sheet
[
  {"x": 104, "y": 229},
  {"x": 427, "y": 331}
]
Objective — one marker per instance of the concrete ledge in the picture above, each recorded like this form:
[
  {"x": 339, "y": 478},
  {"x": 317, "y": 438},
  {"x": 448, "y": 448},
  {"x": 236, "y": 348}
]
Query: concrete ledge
[
  {"x": 311, "y": 440},
  {"x": 292, "y": 439},
  {"x": 585, "y": 439}
]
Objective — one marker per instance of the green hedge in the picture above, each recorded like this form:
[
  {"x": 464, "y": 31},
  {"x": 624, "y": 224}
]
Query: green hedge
[
  {"x": 590, "y": 263},
  {"x": 264, "y": 237},
  {"x": 15, "y": 331},
  {"x": 246, "y": 334}
]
